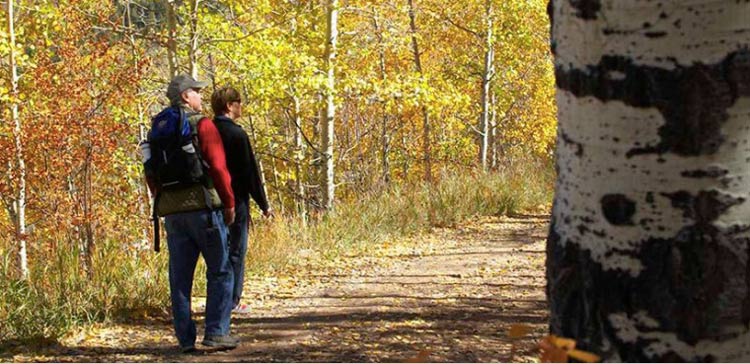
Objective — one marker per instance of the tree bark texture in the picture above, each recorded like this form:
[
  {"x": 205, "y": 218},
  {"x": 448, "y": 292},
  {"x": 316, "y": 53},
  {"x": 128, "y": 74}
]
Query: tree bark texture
[
  {"x": 385, "y": 136},
  {"x": 647, "y": 255},
  {"x": 20, "y": 203},
  {"x": 489, "y": 56},
  {"x": 330, "y": 108},
  {"x": 171, "y": 38},
  {"x": 299, "y": 155},
  {"x": 193, "y": 50},
  {"x": 426, "y": 142}
]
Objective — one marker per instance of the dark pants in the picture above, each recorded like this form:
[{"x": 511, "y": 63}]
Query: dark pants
[
  {"x": 190, "y": 234},
  {"x": 238, "y": 246}
]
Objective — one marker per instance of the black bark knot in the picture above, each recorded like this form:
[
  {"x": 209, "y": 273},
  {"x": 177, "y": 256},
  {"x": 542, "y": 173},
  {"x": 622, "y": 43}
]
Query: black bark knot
[
  {"x": 618, "y": 209},
  {"x": 697, "y": 112},
  {"x": 705, "y": 207},
  {"x": 586, "y": 9},
  {"x": 738, "y": 73}
]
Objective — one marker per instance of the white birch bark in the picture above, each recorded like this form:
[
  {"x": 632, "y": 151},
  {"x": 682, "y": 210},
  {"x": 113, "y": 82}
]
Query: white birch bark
[
  {"x": 648, "y": 248},
  {"x": 20, "y": 202},
  {"x": 489, "y": 55},
  {"x": 328, "y": 115},
  {"x": 299, "y": 151}
]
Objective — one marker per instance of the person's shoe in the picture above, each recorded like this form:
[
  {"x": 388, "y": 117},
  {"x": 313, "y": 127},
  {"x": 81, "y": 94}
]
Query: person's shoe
[
  {"x": 187, "y": 349},
  {"x": 221, "y": 342},
  {"x": 241, "y": 308}
]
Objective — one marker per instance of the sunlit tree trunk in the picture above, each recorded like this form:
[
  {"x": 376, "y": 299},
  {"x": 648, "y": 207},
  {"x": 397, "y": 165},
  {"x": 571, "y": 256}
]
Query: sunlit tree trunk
[
  {"x": 385, "y": 136},
  {"x": 193, "y": 50},
  {"x": 299, "y": 156},
  {"x": 489, "y": 55},
  {"x": 647, "y": 256},
  {"x": 328, "y": 115},
  {"x": 426, "y": 142},
  {"x": 171, "y": 37},
  {"x": 20, "y": 203},
  {"x": 144, "y": 194},
  {"x": 492, "y": 144},
  {"x": 87, "y": 201}
]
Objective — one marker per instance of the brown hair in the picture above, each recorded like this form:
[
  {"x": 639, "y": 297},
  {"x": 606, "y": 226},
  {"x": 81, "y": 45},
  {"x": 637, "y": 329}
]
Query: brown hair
[{"x": 221, "y": 97}]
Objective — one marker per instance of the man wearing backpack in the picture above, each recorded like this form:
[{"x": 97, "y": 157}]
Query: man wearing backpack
[{"x": 186, "y": 170}]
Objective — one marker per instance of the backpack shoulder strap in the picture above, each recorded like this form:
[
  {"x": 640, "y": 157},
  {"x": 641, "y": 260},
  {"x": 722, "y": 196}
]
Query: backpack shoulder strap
[{"x": 193, "y": 119}]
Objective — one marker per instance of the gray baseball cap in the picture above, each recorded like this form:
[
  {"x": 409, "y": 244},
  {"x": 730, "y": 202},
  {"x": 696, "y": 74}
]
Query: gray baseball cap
[{"x": 179, "y": 84}]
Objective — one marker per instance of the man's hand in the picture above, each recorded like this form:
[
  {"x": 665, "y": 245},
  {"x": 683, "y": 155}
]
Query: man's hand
[
  {"x": 229, "y": 216},
  {"x": 268, "y": 214}
]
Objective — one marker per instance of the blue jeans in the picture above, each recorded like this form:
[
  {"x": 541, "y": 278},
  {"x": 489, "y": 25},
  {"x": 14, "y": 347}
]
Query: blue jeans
[
  {"x": 238, "y": 246},
  {"x": 188, "y": 235}
]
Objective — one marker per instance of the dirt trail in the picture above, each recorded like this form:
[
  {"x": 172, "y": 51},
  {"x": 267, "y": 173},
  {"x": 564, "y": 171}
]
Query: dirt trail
[{"x": 450, "y": 295}]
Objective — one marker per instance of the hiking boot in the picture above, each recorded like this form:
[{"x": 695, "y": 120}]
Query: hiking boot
[
  {"x": 241, "y": 308},
  {"x": 187, "y": 349},
  {"x": 221, "y": 342}
]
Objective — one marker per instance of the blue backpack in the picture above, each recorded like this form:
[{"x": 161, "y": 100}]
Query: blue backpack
[
  {"x": 171, "y": 157},
  {"x": 175, "y": 161}
]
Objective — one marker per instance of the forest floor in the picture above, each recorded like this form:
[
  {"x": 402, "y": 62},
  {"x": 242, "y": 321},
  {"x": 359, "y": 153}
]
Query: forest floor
[{"x": 451, "y": 295}]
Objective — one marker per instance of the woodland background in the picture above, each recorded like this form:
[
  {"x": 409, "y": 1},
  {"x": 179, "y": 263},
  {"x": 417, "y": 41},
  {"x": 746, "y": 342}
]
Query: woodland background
[{"x": 440, "y": 111}]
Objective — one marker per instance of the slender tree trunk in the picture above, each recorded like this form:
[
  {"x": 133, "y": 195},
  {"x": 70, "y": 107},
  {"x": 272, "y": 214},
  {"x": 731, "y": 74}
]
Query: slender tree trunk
[
  {"x": 275, "y": 174},
  {"x": 20, "y": 202},
  {"x": 299, "y": 151},
  {"x": 385, "y": 137},
  {"x": 647, "y": 256},
  {"x": 171, "y": 38},
  {"x": 426, "y": 146},
  {"x": 88, "y": 216},
  {"x": 493, "y": 131},
  {"x": 486, "y": 85},
  {"x": 193, "y": 50},
  {"x": 327, "y": 118},
  {"x": 144, "y": 195}
]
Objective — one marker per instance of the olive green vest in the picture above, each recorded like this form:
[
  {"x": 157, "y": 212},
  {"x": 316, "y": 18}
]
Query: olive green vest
[{"x": 192, "y": 198}]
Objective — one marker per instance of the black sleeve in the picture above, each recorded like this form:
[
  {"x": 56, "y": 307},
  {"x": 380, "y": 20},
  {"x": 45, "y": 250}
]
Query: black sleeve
[{"x": 253, "y": 175}]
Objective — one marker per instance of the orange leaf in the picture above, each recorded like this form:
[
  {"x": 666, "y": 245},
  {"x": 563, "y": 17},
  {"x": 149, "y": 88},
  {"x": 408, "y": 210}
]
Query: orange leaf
[
  {"x": 550, "y": 352},
  {"x": 420, "y": 358},
  {"x": 584, "y": 356},
  {"x": 563, "y": 343},
  {"x": 518, "y": 331}
]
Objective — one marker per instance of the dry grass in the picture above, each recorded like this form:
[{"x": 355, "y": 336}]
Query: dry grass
[{"x": 123, "y": 282}]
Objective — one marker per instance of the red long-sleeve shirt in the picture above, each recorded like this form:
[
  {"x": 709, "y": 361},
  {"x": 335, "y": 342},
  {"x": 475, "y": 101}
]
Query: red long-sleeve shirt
[{"x": 212, "y": 151}]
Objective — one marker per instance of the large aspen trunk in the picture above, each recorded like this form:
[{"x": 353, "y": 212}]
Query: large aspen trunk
[
  {"x": 647, "y": 256},
  {"x": 489, "y": 56},
  {"x": 20, "y": 203},
  {"x": 328, "y": 115},
  {"x": 426, "y": 138}
]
